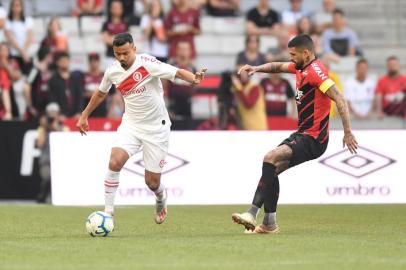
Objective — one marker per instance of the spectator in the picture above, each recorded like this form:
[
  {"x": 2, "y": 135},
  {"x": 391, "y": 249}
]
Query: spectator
[
  {"x": 5, "y": 86},
  {"x": 130, "y": 8},
  {"x": 92, "y": 80},
  {"x": 339, "y": 39},
  {"x": 21, "y": 90},
  {"x": 292, "y": 15},
  {"x": 152, "y": 23},
  {"x": 115, "y": 24},
  {"x": 3, "y": 16},
  {"x": 279, "y": 96},
  {"x": 251, "y": 55},
  {"x": 280, "y": 53},
  {"x": 50, "y": 122},
  {"x": 223, "y": 8},
  {"x": 55, "y": 40},
  {"x": 391, "y": 90},
  {"x": 182, "y": 24},
  {"x": 304, "y": 26},
  {"x": 324, "y": 19},
  {"x": 89, "y": 7},
  {"x": 180, "y": 92},
  {"x": 262, "y": 20},
  {"x": 39, "y": 77},
  {"x": 19, "y": 34},
  {"x": 360, "y": 92},
  {"x": 250, "y": 103},
  {"x": 65, "y": 88}
]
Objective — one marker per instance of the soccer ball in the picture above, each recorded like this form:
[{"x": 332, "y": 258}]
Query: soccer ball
[{"x": 99, "y": 224}]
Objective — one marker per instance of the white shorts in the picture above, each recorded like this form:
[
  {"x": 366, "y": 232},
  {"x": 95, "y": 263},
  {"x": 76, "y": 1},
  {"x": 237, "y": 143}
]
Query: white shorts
[{"x": 154, "y": 146}]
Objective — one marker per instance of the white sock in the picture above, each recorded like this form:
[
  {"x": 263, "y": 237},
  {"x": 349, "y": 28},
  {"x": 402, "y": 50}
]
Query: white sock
[
  {"x": 110, "y": 189},
  {"x": 159, "y": 192}
]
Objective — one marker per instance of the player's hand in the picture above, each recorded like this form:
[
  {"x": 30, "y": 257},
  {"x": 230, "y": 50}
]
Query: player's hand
[
  {"x": 82, "y": 125},
  {"x": 199, "y": 76},
  {"x": 247, "y": 68},
  {"x": 351, "y": 142}
]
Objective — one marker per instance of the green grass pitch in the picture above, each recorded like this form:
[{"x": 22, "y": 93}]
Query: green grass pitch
[{"x": 203, "y": 237}]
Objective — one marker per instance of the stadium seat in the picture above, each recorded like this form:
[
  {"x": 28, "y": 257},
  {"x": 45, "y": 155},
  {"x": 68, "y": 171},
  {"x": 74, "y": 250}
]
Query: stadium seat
[
  {"x": 207, "y": 44},
  {"x": 39, "y": 29},
  {"x": 207, "y": 24},
  {"x": 346, "y": 65},
  {"x": 268, "y": 42},
  {"x": 69, "y": 25},
  {"x": 216, "y": 63},
  {"x": 204, "y": 106},
  {"x": 78, "y": 62},
  {"x": 92, "y": 24},
  {"x": 229, "y": 25},
  {"x": 76, "y": 45},
  {"x": 232, "y": 45},
  {"x": 53, "y": 8},
  {"x": 94, "y": 43},
  {"x": 138, "y": 37}
]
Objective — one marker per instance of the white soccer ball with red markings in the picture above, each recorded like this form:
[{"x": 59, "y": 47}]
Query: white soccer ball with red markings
[{"x": 99, "y": 224}]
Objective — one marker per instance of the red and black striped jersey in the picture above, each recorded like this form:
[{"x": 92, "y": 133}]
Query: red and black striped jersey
[{"x": 313, "y": 105}]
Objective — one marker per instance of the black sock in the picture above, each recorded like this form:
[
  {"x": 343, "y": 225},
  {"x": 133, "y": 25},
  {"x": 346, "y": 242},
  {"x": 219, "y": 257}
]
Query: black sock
[
  {"x": 265, "y": 184},
  {"x": 272, "y": 196}
]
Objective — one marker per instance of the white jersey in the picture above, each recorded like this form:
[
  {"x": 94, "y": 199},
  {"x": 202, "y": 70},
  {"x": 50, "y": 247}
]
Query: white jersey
[{"x": 142, "y": 91}]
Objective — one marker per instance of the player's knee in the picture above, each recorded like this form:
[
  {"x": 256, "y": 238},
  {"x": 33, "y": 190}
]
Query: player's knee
[
  {"x": 153, "y": 184},
  {"x": 270, "y": 158},
  {"x": 115, "y": 164}
]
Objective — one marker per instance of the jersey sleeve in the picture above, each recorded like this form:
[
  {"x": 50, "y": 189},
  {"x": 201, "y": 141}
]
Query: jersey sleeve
[
  {"x": 319, "y": 78},
  {"x": 159, "y": 69},
  {"x": 106, "y": 83},
  {"x": 291, "y": 68}
]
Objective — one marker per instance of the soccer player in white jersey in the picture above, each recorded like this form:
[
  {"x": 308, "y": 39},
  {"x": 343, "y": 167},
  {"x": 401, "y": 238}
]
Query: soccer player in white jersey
[{"x": 145, "y": 121}]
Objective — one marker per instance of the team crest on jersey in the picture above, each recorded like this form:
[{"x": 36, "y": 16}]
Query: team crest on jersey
[{"x": 137, "y": 76}]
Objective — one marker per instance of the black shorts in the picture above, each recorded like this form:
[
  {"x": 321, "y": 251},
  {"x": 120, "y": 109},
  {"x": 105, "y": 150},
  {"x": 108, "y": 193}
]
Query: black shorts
[{"x": 304, "y": 148}]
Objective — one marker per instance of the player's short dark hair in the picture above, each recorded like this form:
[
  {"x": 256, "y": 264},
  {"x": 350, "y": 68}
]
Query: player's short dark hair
[
  {"x": 339, "y": 11},
  {"x": 362, "y": 61},
  {"x": 392, "y": 57},
  {"x": 122, "y": 39},
  {"x": 302, "y": 42}
]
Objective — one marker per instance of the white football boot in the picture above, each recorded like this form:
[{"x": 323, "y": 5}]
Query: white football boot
[{"x": 161, "y": 209}]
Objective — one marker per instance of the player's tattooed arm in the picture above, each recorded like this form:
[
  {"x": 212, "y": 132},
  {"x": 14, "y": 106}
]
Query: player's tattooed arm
[
  {"x": 273, "y": 67},
  {"x": 342, "y": 107}
]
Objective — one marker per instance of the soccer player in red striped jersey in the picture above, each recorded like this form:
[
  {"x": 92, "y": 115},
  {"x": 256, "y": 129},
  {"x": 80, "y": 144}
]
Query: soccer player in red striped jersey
[
  {"x": 145, "y": 122},
  {"x": 314, "y": 92}
]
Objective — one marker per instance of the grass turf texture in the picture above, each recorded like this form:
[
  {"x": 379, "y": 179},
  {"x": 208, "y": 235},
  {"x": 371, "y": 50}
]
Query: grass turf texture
[{"x": 203, "y": 237}]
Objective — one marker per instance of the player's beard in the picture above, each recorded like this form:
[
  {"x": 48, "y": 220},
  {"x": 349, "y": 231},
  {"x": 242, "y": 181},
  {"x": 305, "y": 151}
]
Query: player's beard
[
  {"x": 123, "y": 64},
  {"x": 299, "y": 65}
]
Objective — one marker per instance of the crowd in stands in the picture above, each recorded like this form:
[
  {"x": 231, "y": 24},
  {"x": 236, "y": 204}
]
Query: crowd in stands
[{"x": 31, "y": 80}]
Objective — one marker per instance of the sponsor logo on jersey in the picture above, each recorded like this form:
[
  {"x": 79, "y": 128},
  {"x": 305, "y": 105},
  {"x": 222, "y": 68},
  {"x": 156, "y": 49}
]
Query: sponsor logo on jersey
[{"x": 319, "y": 72}]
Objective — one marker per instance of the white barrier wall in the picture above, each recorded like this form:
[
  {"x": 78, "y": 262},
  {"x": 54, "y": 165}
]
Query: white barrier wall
[{"x": 224, "y": 168}]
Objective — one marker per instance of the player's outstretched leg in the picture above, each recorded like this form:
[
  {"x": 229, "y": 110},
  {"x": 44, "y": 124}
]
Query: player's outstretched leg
[
  {"x": 153, "y": 181},
  {"x": 265, "y": 184}
]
